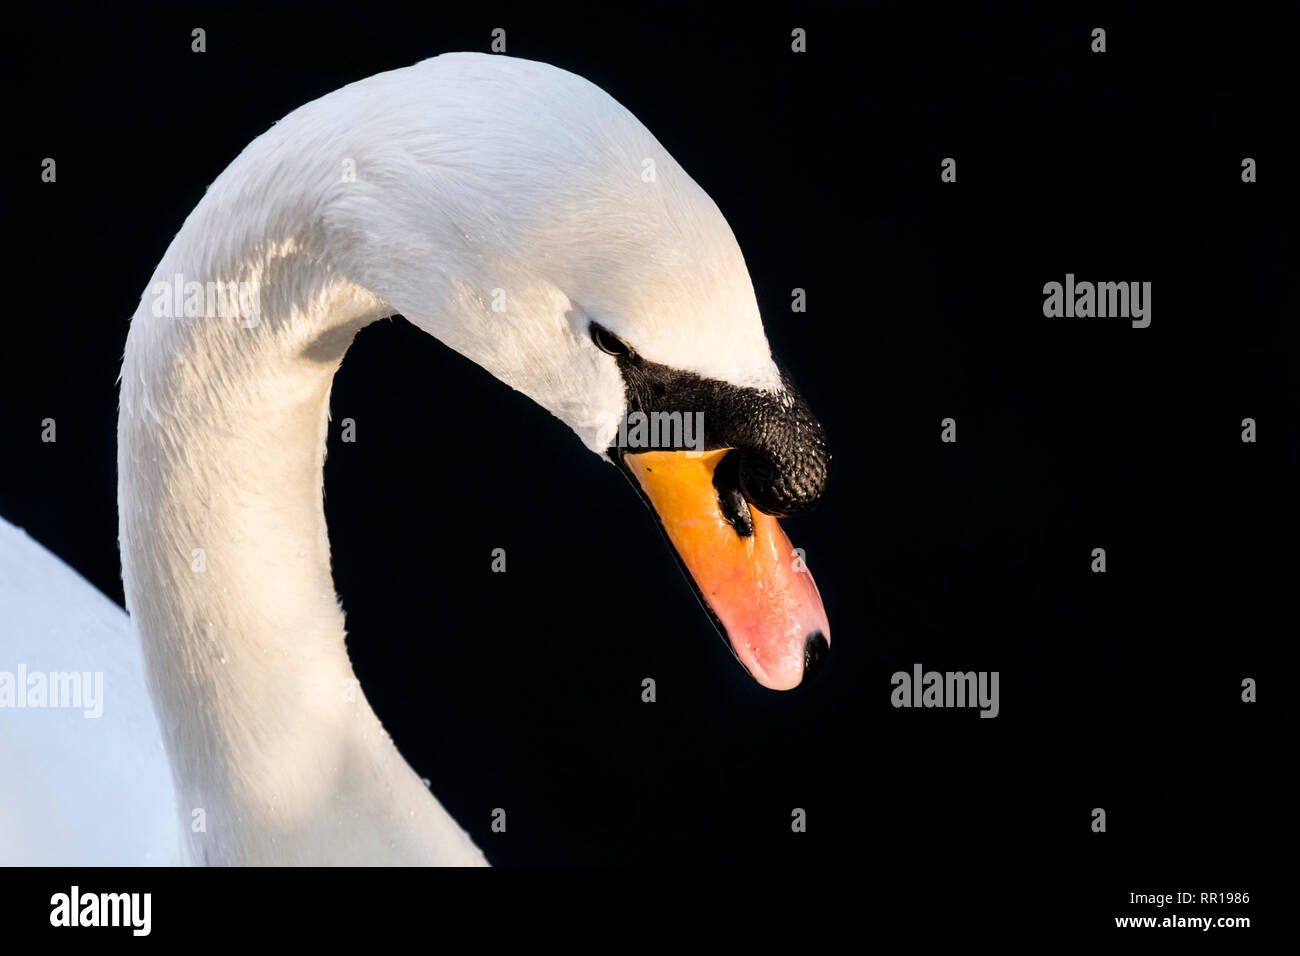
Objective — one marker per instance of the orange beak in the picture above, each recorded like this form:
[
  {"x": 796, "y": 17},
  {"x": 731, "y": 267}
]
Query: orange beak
[{"x": 757, "y": 587}]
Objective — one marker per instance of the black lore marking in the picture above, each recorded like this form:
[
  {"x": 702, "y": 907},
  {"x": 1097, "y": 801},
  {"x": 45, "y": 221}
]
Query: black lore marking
[
  {"x": 783, "y": 459},
  {"x": 734, "y": 507}
]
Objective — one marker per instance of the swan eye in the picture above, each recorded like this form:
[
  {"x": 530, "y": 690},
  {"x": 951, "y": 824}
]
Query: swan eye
[{"x": 607, "y": 341}]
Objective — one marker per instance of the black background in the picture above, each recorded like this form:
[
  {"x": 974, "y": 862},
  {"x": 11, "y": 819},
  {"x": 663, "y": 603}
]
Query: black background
[{"x": 522, "y": 690}]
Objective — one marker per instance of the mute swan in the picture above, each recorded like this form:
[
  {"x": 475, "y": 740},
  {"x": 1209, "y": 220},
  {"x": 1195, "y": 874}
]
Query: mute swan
[{"x": 520, "y": 215}]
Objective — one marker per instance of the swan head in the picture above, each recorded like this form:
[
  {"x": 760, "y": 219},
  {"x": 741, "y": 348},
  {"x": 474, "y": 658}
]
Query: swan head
[{"x": 533, "y": 224}]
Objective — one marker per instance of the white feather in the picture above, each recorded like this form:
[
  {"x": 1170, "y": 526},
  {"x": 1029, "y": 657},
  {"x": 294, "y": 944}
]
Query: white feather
[
  {"x": 499, "y": 204},
  {"x": 77, "y": 789}
]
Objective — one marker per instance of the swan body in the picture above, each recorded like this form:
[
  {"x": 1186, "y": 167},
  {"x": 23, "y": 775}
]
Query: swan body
[
  {"x": 87, "y": 783},
  {"x": 502, "y": 206}
]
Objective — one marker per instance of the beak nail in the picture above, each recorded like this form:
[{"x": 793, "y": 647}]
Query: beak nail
[{"x": 814, "y": 654}]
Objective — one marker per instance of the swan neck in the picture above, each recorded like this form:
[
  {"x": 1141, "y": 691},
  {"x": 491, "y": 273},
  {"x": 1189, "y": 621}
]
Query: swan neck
[{"x": 276, "y": 753}]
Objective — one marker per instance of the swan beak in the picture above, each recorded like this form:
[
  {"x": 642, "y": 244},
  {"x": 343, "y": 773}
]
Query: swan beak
[{"x": 757, "y": 588}]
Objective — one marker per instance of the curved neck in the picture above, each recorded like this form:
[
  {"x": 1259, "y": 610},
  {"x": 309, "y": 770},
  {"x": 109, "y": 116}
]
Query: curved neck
[
  {"x": 500, "y": 205},
  {"x": 277, "y": 755}
]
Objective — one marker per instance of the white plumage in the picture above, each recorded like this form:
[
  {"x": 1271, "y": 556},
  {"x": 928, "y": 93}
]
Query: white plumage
[
  {"x": 77, "y": 789},
  {"x": 498, "y": 204}
]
